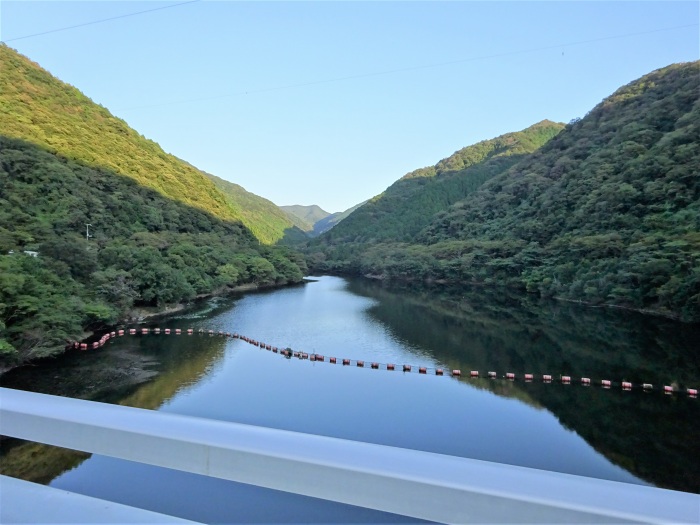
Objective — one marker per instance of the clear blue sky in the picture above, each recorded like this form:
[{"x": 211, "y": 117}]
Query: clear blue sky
[{"x": 328, "y": 103}]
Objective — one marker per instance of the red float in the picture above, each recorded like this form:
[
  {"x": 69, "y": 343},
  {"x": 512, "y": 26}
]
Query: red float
[
  {"x": 439, "y": 372},
  {"x": 529, "y": 377},
  {"x": 510, "y": 376},
  {"x": 474, "y": 373},
  {"x": 390, "y": 367},
  {"x": 493, "y": 375},
  {"x": 606, "y": 383},
  {"x": 422, "y": 370},
  {"x": 406, "y": 368},
  {"x": 456, "y": 373}
]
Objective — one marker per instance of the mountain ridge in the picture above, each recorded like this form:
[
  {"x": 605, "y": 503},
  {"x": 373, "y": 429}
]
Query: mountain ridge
[
  {"x": 605, "y": 213},
  {"x": 41, "y": 109}
]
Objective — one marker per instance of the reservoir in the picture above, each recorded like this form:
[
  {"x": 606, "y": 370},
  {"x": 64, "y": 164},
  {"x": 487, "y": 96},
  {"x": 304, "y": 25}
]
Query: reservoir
[{"x": 637, "y": 436}]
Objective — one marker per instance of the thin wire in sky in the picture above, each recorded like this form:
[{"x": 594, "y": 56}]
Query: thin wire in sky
[
  {"x": 409, "y": 68},
  {"x": 99, "y": 21}
]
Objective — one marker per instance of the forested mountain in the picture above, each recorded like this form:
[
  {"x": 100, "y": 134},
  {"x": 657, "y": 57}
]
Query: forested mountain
[
  {"x": 408, "y": 205},
  {"x": 305, "y": 216},
  {"x": 263, "y": 217},
  {"x": 333, "y": 219},
  {"x": 313, "y": 219},
  {"x": 607, "y": 212},
  {"x": 66, "y": 165},
  {"x": 39, "y": 108}
]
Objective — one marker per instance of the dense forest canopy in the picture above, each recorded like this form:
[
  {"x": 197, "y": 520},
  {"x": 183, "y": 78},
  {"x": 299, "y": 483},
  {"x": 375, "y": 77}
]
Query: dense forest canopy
[
  {"x": 160, "y": 231},
  {"x": 606, "y": 212},
  {"x": 39, "y": 108},
  {"x": 408, "y": 205}
]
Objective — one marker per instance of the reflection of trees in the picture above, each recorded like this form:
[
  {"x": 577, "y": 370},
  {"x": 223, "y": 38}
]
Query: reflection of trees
[
  {"x": 36, "y": 462},
  {"x": 184, "y": 361},
  {"x": 494, "y": 329}
]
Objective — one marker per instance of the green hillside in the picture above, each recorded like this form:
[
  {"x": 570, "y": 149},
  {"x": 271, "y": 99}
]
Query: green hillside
[
  {"x": 152, "y": 241},
  {"x": 262, "y": 217},
  {"x": 305, "y": 216},
  {"x": 408, "y": 205},
  {"x": 330, "y": 221},
  {"x": 607, "y": 212},
  {"x": 39, "y": 108}
]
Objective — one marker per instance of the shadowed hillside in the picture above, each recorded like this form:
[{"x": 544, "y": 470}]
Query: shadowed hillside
[{"x": 39, "y": 108}]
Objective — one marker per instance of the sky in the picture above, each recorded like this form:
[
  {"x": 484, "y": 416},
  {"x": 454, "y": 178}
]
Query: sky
[{"x": 329, "y": 103}]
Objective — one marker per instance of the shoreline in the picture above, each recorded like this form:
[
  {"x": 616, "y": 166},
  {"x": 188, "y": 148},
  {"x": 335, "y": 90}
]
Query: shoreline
[{"x": 141, "y": 315}]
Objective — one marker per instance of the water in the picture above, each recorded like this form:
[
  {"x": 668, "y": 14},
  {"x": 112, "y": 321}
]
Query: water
[{"x": 631, "y": 437}]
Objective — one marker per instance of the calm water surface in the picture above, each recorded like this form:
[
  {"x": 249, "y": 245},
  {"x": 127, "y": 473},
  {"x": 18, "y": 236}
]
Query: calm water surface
[{"x": 631, "y": 437}]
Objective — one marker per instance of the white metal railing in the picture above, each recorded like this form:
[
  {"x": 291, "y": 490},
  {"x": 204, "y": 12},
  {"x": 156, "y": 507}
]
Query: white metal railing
[{"x": 408, "y": 482}]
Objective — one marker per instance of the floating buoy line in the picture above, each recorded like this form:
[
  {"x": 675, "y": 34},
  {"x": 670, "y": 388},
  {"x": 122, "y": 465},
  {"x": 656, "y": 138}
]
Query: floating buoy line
[{"x": 473, "y": 374}]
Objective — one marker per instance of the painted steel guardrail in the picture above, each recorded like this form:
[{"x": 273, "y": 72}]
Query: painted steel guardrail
[{"x": 412, "y": 483}]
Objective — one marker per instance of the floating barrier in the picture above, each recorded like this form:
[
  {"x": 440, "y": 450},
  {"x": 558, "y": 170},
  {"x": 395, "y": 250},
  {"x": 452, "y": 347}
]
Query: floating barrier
[{"x": 288, "y": 352}]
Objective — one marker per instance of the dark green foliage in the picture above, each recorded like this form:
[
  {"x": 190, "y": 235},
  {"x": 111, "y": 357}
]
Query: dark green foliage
[
  {"x": 407, "y": 206},
  {"x": 607, "y": 212},
  {"x": 144, "y": 250}
]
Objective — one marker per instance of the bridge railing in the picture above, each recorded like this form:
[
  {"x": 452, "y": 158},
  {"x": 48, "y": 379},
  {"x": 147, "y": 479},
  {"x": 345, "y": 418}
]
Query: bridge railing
[{"x": 408, "y": 482}]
